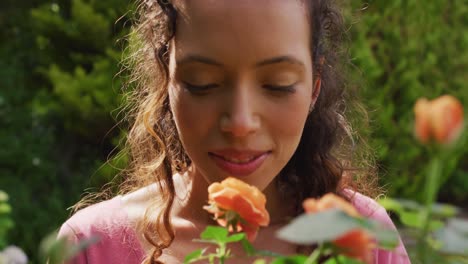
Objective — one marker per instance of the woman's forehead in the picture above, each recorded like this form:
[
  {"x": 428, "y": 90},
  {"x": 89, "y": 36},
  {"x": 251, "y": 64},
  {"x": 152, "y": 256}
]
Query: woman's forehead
[
  {"x": 257, "y": 29},
  {"x": 246, "y": 9},
  {"x": 208, "y": 6}
]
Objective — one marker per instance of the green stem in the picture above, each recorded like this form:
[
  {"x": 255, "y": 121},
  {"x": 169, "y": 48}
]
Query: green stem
[
  {"x": 315, "y": 255},
  {"x": 432, "y": 187},
  {"x": 337, "y": 259},
  {"x": 222, "y": 253}
]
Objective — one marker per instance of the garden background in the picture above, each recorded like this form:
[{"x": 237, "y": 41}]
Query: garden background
[{"x": 60, "y": 94}]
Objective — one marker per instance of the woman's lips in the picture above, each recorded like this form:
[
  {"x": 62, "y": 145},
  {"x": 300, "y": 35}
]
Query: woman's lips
[{"x": 239, "y": 163}]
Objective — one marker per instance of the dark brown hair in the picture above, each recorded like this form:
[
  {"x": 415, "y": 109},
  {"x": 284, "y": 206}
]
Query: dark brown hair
[{"x": 330, "y": 154}]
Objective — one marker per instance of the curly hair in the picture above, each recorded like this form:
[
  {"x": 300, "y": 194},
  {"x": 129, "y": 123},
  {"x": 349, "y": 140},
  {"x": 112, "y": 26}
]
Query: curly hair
[{"x": 330, "y": 157}]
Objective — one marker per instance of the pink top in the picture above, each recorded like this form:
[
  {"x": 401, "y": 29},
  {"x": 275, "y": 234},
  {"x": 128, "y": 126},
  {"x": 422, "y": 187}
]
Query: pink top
[{"x": 119, "y": 244}]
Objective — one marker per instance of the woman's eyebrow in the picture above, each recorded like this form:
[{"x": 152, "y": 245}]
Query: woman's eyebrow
[
  {"x": 280, "y": 59},
  {"x": 206, "y": 60},
  {"x": 200, "y": 59}
]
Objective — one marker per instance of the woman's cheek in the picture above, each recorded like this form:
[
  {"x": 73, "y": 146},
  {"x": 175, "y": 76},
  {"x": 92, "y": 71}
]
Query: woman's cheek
[
  {"x": 183, "y": 119},
  {"x": 291, "y": 116},
  {"x": 193, "y": 118}
]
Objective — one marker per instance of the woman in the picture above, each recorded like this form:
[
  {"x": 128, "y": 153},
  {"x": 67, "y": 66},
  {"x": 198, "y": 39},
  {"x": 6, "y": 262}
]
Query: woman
[{"x": 249, "y": 89}]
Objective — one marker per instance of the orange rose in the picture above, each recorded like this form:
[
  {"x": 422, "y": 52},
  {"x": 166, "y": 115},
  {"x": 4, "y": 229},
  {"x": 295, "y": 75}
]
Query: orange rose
[
  {"x": 440, "y": 119},
  {"x": 356, "y": 243},
  {"x": 329, "y": 201},
  {"x": 245, "y": 200}
]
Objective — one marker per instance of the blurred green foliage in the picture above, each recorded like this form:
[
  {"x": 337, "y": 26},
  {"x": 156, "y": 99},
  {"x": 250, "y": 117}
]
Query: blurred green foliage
[
  {"x": 59, "y": 90},
  {"x": 406, "y": 50},
  {"x": 5, "y": 220}
]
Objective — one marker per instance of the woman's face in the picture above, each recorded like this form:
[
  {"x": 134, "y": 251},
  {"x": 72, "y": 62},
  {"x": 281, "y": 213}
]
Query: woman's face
[{"x": 241, "y": 86}]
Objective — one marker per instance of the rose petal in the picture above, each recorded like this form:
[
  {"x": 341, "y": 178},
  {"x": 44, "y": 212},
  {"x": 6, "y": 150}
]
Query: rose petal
[
  {"x": 356, "y": 244},
  {"x": 422, "y": 126},
  {"x": 329, "y": 201}
]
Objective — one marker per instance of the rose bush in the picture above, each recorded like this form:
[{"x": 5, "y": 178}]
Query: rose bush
[{"x": 332, "y": 225}]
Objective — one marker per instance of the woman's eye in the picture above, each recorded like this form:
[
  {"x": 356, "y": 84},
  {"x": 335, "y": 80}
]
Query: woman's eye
[
  {"x": 281, "y": 88},
  {"x": 199, "y": 89}
]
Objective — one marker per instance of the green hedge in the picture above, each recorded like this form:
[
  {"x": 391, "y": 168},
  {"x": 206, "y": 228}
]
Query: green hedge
[
  {"x": 57, "y": 97},
  {"x": 407, "y": 50}
]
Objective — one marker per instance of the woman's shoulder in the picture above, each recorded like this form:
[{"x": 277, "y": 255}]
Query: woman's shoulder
[
  {"x": 98, "y": 217},
  {"x": 371, "y": 209},
  {"x": 115, "y": 213},
  {"x": 108, "y": 224},
  {"x": 367, "y": 206}
]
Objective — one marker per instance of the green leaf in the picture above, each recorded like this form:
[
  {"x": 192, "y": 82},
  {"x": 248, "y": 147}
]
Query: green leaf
[
  {"x": 386, "y": 238},
  {"x": 194, "y": 256},
  {"x": 317, "y": 228},
  {"x": 329, "y": 225},
  {"x": 248, "y": 247},
  {"x": 55, "y": 251},
  {"x": 235, "y": 238},
  {"x": 82, "y": 245},
  {"x": 215, "y": 233},
  {"x": 343, "y": 260},
  {"x": 454, "y": 237},
  {"x": 391, "y": 204},
  {"x": 401, "y": 206},
  {"x": 444, "y": 210},
  {"x": 409, "y": 204},
  {"x": 415, "y": 219},
  {"x": 296, "y": 259}
]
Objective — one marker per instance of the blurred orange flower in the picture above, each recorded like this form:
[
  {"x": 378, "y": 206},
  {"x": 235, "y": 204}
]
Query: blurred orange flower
[
  {"x": 357, "y": 243},
  {"x": 245, "y": 200},
  {"x": 329, "y": 201},
  {"x": 440, "y": 119}
]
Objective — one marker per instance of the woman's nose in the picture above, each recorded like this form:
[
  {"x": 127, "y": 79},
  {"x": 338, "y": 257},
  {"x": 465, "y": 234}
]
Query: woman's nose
[{"x": 240, "y": 117}]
